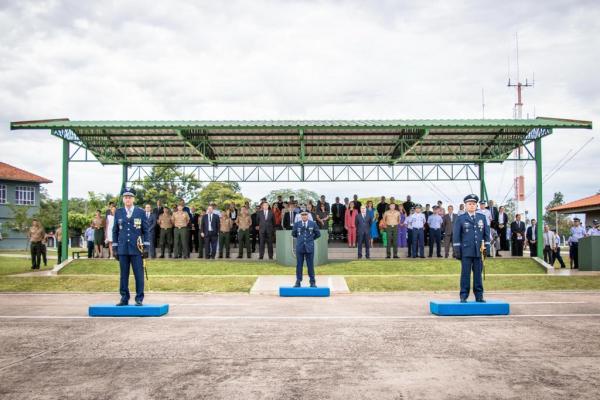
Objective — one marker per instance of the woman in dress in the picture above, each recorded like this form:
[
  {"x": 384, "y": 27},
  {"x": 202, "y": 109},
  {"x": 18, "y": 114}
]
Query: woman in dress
[
  {"x": 402, "y": 228},
  {"x": 98, "y": 224},
  {"x": 350, "y": 224},
  {"x": 110, "y": 221},
  {"x": 374, "y": 230},
  {"x": 322, "y": 217}
]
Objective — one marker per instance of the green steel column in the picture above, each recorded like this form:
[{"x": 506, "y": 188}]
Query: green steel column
[
  {"x": 65, "y": 201},
  {"x": 482, "y": 188},
  {"x": 538, "y": 197},
  {"x": 123, "y": 182}
]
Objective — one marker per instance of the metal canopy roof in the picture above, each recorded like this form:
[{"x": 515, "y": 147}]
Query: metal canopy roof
[{"x": 302, "y": 141}]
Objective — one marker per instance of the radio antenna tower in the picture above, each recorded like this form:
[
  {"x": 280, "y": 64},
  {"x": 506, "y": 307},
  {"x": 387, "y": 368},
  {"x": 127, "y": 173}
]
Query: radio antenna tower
[{"x": 519, "y": 180}]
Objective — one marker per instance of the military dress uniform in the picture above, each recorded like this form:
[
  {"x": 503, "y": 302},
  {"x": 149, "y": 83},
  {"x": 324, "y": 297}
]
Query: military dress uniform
[
  {"x": 305, "y": 234},
  {"x": 129, "y": 225},
  {"x": 577, "y": 233},
  {"x": 468, "y": 233}
]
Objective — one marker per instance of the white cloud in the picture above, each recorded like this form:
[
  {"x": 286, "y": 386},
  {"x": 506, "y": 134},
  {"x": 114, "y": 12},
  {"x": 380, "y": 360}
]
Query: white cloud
[{"x": 303, "y": 59}]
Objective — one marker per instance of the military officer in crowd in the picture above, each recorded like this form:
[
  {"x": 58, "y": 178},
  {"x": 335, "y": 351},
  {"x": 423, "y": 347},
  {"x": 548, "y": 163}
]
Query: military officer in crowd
[
  {"x": 181, "y": 219},
  {"x": 305, "y": 232},
  {"x": 130, "y": 224},
  {"x": 435, "y": 231},
  {"x": 577, "y": 233},
  {"x": 166, "y": 224},
  {"x": 244, "y": 224},
  {"x": 417, "y": 222},
  {"x": 470, "y": 230},
  {"x": 595, "y": 229}
]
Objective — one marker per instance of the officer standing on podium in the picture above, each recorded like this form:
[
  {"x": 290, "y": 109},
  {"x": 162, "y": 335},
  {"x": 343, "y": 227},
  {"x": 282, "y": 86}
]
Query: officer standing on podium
[
  {"x": 130, "y": 224},
  {"x": 470, "y": 230},
  {"x": 305, "y": 232}
]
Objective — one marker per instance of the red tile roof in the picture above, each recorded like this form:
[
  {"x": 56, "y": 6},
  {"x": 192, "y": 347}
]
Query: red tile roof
[
  {"x": 580, "y": 205},
  {"x": 11, "y": 173}
]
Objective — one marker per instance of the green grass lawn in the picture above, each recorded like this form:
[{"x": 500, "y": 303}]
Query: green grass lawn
[
  {"x": 227, "y": 276},
  {"x": 492, "y": 283},
  {"x": 12, "y": 265},
  {"x": 364, "y": 267},
  {"x": 111, "y": 284}
]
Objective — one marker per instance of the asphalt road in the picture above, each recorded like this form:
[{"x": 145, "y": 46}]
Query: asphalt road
[{"x": 379, "y": 346}]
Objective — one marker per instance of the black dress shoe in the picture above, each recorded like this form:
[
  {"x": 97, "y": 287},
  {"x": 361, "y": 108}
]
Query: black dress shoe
[
  {"x": 481, "y": 300},
  {"x": 138, "y": 303},
  {"x": 396, "y": 257},
  {"x": 297, "y": 284},
  {"x": 122, "y": 303},
  {"x": 463, "y": 300},
  {"x": 313, "y": 284}
]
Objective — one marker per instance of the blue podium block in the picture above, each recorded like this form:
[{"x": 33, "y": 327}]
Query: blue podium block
[
  {"x": 111, "y": 310},
  {"x": 455, "y": 307},
  {"x": 288, "y": 291}
]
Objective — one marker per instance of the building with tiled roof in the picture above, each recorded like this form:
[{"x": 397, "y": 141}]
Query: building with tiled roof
[
  {"x": 17, "y": 188},
  {"x": 590, "y": 206}
]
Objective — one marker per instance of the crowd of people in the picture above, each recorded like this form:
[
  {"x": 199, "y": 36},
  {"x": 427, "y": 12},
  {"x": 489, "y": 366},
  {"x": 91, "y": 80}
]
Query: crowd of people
[{"x": 179, "y": 231}]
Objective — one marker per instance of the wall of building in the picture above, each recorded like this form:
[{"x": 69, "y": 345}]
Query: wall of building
[{"x": 12, "y": 239}]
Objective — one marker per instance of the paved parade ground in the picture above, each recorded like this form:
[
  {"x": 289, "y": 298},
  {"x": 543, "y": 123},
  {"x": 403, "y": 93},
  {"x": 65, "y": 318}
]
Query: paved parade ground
[{"x": 379, "y": 346}]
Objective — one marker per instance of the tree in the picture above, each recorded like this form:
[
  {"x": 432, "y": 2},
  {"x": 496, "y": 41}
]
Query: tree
[
  {"x": 167, "y": 184},
  {"x": 221, "y": 193},
  {"x": 21, "y": 219},
  {"x": 300, "y": 195},
  {"x": 554, "y": 219}
]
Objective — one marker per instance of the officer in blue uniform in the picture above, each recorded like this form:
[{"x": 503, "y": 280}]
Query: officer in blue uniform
[
  {"x": 305, "y": 232},
  {"x": 130, "y": 224},
  {"x": 470, "y": 229}
]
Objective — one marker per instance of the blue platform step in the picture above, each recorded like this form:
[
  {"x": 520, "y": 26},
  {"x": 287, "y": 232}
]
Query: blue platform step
[
  {"x": 455, "y": 307},
  {"x": 111, "y": 310},
  {"x": 288, "y": 291}
]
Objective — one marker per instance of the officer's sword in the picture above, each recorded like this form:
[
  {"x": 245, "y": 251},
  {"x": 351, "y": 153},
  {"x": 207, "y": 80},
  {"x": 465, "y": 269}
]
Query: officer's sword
[
  {"x": 140, "y": 246},
  {"x": 482, "y": 250}
]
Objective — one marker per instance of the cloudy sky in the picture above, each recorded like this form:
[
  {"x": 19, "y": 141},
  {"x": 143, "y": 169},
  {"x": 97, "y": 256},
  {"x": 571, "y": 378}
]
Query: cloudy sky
[{"x": 301, "y": 60}]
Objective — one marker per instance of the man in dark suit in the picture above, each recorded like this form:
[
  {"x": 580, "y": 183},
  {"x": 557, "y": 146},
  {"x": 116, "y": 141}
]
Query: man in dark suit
[
  {"x": 209, "y": 230},
  {"x": 338, "y": 211},
  {"x": 447, "y": 228},
  {"x": 266, "y": 226},
  {"x": 502, "y": 225},
  {"x": 157, "y": 211},
  {"x": 531, "y": 236},
  {"x": 194, "y": 230},
  {"x": 381, "y": 209},
  {"x": 493, "y": 214},
  {"x": 151, "y": 219},
  {"x": 517, "y": 229},
  {"x": 357, "y": 203},
  {"x": 363, "y": 232},
  {"x": 289, "y": 216},
  {"x": 254, "y": 228}
]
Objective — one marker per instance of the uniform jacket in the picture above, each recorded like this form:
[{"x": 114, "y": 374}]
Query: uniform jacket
[
  {"x": 467, "y": 235},
  {"x": 127, "y": 230},
  {"x": 151, "y": 224},
  {"x": 305, "y": 238}
]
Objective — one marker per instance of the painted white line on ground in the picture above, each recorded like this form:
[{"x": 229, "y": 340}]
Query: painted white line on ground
[
  {"x": 300, "y": 317},
  {"x": 208, "y": 305},
  {"x": 548, "y": 302}
]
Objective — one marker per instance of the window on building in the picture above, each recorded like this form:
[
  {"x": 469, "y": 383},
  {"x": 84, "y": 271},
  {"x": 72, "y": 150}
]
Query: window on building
[
  {"x": 2, "y": 194},
  {"x": 25, "y": 195}
]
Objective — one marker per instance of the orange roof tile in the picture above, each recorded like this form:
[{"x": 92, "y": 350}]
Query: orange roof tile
[
  {"x": 585, "y": 203},
  {"x": 11, "y": 173}
]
